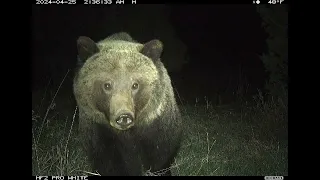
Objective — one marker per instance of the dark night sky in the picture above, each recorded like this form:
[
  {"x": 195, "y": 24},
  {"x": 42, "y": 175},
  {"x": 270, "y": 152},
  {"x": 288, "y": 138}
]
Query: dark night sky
[{"x": 219, "y": 38}]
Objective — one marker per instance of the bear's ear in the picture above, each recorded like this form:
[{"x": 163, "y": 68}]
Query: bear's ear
[
  {"x": 152, "y": 49},
  {"x": 86, "y": 48}
]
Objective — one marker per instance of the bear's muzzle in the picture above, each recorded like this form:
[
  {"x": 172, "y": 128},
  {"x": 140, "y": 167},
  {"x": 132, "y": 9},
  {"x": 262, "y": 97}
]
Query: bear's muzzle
[{"x": 125, "y": 120}]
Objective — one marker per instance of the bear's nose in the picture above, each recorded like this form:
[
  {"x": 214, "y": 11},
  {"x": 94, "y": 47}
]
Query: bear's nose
[{"x": 124, "y": 120}]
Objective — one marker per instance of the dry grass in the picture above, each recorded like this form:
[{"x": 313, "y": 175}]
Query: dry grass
[{"x": 220, "y": 141}]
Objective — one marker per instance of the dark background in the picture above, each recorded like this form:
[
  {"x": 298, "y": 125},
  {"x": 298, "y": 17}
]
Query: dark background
[{"x": 211, "y": 51}]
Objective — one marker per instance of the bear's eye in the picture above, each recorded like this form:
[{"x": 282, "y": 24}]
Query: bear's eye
[
  {"x": 135, "y": 86},
  {"x": 107, "y": 86}
]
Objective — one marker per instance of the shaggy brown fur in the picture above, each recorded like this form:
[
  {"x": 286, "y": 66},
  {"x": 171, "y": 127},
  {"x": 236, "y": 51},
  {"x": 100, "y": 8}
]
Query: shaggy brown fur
[{"x": 129, "y": 118}]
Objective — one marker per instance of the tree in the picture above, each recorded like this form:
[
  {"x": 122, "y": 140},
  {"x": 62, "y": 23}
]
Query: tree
[{"x": 275, "y": 23}]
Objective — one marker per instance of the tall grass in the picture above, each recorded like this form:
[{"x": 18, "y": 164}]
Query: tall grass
[
  {"x": 247, "y": 139},
  {"x": 225, "y": 141}
]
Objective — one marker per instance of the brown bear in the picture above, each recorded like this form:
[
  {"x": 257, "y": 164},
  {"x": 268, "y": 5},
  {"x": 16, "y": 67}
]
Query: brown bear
[{"x": 129, "y": 119}]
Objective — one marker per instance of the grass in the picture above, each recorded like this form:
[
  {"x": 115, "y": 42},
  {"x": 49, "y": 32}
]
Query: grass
[
  {"x": 235, "y": 140},
  {"x": 248, "y": 141}
]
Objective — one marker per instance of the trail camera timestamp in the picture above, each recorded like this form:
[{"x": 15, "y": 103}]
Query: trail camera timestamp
[
  {"x": 97, "y": 1},
  {"x": 56, "y": 1},
  {"x": 109, "y": 1}
]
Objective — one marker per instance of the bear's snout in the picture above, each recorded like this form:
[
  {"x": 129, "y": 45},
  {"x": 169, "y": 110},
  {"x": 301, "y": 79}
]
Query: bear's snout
[{"x": 125, "y": 120}]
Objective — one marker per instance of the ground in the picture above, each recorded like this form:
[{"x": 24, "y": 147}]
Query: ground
[{"x": 236, "y": 139}]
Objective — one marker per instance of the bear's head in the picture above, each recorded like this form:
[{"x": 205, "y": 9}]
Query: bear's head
[{"x": 116, "y": 85}]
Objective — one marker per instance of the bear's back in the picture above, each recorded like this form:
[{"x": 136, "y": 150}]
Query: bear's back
[
  {"x": 119, "y": 45},
  {"x": 121, "y": 42}
]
